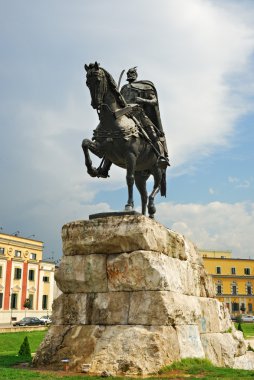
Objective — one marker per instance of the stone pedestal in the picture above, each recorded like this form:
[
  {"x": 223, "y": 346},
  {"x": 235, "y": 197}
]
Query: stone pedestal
[{"x": 135, "y": 298}]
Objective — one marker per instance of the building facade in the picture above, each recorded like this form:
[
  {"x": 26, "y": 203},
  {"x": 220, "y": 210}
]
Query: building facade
[
  {"x": 26, "y": 281},
  {"x": 233, "y": 280}
]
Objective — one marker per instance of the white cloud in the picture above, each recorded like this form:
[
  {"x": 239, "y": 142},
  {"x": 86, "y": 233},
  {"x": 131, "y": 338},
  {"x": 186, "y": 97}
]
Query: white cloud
[
  {"x": 191, "y": 49},
  {"x": 240, "y": 184},
  {"x": 215, "y": 225}
]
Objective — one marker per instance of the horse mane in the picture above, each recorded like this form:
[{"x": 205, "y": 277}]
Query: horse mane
[{"x": 114, "y": 88}]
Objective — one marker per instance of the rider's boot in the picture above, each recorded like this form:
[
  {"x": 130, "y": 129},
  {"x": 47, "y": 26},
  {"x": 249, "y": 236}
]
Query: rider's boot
[
  {"x": 159, "y": 145},
  {"x": 163, "y": 161},
  {"x": 103, "y": 169}
]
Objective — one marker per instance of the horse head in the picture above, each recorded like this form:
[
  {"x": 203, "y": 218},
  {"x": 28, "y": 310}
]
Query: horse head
[{"x": 96, "y": 81}]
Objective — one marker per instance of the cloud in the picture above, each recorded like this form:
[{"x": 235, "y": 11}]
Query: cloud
[
  {"x": 197, "y": 53},
  {"x": 215, "y": 225},
  {"x": 240, "y": 184}
]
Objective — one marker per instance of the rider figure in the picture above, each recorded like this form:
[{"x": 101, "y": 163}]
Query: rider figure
[{"x": 144, "y": 94}]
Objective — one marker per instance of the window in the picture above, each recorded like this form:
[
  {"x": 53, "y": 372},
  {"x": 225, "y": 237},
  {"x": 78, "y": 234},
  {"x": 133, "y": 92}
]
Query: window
[
  {"x": 1, "y": 251},
  {"x": 248, "y": 288},
  {"x": 242, "y": 308},
  {"x": 31, "y": 275},
  {"x": 234, "y": 290},
  {"x": 44, "y": 301},
  {"x": 1, "y": 271},
  {"x": 218, "y": 270},
  {"x": 247, "y": 271},
  {"x": 17, "y": 253},
  {"x": 14, "y": 301},
  {"x": 45, "y": 279},
  {"x": 31, "y": 301},
  {"x": 33, "y": 256},
  {"x": 17, "y": 273},
  {"x": 250, "y": 307},
  {"x": 219, "y": 289},
  {"x": 233, "y": 271},
  {"x": 1, "y": 300},
  {"x": 235, "y": 306}
]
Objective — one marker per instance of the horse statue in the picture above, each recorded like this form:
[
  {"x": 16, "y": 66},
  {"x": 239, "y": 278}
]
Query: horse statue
[{"x": 120, "y": 139}]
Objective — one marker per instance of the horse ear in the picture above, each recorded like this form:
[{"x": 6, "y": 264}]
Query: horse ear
[
  {"x": 96, "y": 65},
  {"x": 86, "y": 67}
]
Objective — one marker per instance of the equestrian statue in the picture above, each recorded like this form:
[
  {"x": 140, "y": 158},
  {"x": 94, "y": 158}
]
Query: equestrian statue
[{"x": 129, "y": 134}]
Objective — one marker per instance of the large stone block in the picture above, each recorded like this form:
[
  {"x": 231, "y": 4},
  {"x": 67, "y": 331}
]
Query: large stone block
[
  {"x": 140, "y": 270},
  {"x": 190, "y": 345},
  {"x": 245, "y": 361},
  {"x": 220, "y": 348},
  {"x": 117, "y": 349},
  {"x": 80, "y": 274},
  {"x": 125, "y": 234},
  {"x": 71, "y": 309},
  {"x": 110, "y": 308}
]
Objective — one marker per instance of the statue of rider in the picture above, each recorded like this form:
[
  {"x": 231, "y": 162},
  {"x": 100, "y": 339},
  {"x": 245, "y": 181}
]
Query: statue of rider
[{"x": 143, "y": 93}]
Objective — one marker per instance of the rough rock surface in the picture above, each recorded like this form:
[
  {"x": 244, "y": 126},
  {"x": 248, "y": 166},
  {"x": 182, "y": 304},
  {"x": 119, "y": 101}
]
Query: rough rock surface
[{"x": 136, "y": 297}]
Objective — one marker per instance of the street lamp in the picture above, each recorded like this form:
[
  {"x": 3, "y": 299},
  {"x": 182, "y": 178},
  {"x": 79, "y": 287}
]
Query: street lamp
[{"x": 11, "y": 304}]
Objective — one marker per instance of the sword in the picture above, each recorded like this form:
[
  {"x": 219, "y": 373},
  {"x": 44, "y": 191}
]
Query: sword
[{"x": 120, "y": 78}]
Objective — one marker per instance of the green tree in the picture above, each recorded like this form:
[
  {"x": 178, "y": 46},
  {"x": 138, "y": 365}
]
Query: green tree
[{"x": 25, "y": 348}]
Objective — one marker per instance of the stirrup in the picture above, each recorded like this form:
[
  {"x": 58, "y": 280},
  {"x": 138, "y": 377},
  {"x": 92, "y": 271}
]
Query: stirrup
[
  {"x": 102, "y": 173},
  {"x": 163, "y": 162}
]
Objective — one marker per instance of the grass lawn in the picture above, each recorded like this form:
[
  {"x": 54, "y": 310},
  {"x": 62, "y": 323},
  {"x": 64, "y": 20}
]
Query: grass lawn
[
  {"x": 186, "y": 368},
  {"x": 248, "y": 329}
]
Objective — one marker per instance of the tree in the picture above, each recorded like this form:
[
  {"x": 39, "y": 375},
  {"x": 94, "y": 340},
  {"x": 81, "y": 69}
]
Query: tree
[
  {"x": 25, "y": 348},
  {"x": 27, "y": 303}
]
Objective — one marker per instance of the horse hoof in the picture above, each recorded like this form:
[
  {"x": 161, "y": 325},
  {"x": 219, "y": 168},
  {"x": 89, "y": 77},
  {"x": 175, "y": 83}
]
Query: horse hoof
[
  {"x": 128, "y": 207},
  {"x": 92, "y": 172}
]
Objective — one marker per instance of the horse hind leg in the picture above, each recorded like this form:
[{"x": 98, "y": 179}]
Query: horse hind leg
[
  {"x": 157, "y": 174},
  {"x": 131, "y": 163},
  {"x": 140, "y": 182}
]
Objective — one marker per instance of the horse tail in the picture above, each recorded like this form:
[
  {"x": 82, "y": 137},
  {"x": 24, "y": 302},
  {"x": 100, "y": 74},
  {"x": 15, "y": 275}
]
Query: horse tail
[{"x": 163, "y": 184}]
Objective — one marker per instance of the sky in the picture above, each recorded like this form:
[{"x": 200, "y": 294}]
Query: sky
[{"x": 200, "y": 56}]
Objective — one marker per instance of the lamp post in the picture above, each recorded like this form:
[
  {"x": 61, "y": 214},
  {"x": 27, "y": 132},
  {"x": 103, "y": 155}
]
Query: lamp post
[{"x": 11, "y": 304}]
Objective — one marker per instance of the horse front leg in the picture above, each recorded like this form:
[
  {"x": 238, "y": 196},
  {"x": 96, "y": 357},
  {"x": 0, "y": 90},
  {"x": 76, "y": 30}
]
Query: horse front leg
[
  {"x": 130, "y": 165},
  {"x": 93, "y": 147}
]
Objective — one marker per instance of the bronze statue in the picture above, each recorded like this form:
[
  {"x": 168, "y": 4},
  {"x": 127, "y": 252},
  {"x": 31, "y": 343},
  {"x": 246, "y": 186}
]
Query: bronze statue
[
  {"x": 124, "y": 137},
  {"x": 144, "y": 93}
]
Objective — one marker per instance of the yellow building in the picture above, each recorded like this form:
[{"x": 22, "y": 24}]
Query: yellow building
[
  {"x": 233, "y": 279},
  {"x": 26, "y": 281}
]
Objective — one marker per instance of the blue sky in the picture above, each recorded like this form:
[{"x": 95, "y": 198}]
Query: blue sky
[{"x": 199, "y": 54}]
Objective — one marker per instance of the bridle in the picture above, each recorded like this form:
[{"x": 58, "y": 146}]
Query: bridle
[{"x": 97, "y": 84}]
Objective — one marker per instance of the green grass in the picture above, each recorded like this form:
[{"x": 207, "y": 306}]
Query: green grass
[
  {"x": 248, "y": 329},
  {"x": 186, "y": 368},
  {"x": 204, "y": 369},
  {"x": 10, "y": 342}
]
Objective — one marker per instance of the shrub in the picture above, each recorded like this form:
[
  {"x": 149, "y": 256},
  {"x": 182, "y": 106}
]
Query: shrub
[
  {"x": 239, "y": 318},
  {"x": 239, "y": 327},
  {"x": 25, "y": 348}
]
